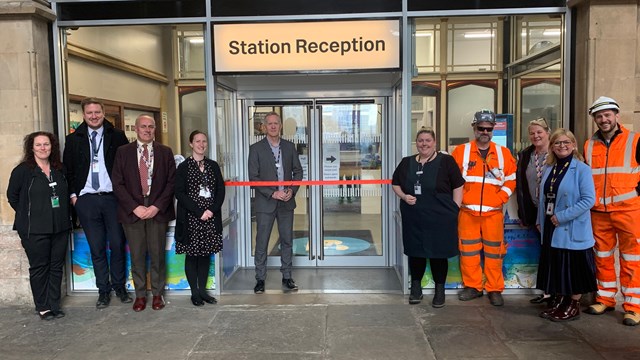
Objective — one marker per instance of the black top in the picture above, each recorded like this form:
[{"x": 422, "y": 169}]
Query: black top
[
  {"x": 527, "y": 211},
  {"x": 449, "y": 176},
  {"x": 29, "y": 194},
  {"x": 430, "y": 226},
  {"x": 77, "y": 153}
]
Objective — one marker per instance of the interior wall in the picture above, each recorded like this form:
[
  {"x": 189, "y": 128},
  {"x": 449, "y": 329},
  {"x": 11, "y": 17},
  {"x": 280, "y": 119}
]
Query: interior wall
[{"x": 150, "y": 47}]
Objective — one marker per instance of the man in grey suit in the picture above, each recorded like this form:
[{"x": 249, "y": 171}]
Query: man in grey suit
[{"x": 274, "y": 159}]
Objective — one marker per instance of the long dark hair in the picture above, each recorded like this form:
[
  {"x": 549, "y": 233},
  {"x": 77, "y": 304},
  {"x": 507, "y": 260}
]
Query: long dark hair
[{"x": 30, "y": 159}]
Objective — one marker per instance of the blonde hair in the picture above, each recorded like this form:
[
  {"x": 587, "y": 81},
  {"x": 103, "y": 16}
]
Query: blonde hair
[
  {"x": 551, "y": 158},
  {"x": 540, "y": 122}
]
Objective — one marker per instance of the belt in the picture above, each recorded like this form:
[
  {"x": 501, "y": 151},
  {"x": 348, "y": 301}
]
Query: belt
[{"x": 100, "y": 193}]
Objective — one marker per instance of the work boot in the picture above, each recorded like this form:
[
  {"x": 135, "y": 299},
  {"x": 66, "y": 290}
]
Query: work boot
[
  {"x": 438, "y": 297},
  {"x": 598, "y": 309},
  {"x": 553, "y": 306},
  {"x": 469, "y": 293},
  {"x": 567, "y": 312},
  {"x": 495, "y": 298},
  {"x": 416, "y": 292},
  {"x": 631, "y": 318}
]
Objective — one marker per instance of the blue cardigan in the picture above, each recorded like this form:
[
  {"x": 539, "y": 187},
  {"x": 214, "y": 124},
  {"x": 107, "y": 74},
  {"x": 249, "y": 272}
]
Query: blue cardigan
[{"x": 576, "y": 195}]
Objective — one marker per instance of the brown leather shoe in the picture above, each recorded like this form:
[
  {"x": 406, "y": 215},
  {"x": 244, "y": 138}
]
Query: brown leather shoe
[
  {"x": 158, "y": 302},
  {"x": 140, "y": 304},
  {"x": 554, "y": 305},
  {"x": 569, "y": 311}
]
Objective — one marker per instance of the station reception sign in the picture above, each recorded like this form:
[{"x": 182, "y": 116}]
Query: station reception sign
[{"x": 307, "y": 46}]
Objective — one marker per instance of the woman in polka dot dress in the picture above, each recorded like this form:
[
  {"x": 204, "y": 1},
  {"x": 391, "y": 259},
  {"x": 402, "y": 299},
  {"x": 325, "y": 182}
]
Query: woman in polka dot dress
[{"x": 198, "y": 233}]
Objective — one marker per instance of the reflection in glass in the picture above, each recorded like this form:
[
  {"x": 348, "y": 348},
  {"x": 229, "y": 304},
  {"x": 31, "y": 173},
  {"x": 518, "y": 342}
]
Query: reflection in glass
[
  {"x": 462, "y": 104},
  {"x": 352, "y": 150}
]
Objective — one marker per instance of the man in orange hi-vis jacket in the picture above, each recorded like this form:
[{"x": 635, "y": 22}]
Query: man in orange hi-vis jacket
[
  {"x": 490, "y": 174},
  {"x": 613, "y": 153}
]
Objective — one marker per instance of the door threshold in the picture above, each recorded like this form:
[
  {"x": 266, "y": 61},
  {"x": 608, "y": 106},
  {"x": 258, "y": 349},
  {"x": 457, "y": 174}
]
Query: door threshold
[{"x": 319, "y": 281}]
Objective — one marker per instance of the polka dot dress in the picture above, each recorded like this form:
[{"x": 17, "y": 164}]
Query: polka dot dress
[{"x": 204, "y": 237}]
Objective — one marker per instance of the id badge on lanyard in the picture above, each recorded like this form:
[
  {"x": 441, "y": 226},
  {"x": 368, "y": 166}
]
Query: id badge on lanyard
[
  {"x": 551, "y": 197},
  {"x": 204, "y": 192},
  {"x": 95, "y": 165},
  {"x": 417, "y": 188},
  {"x": 55, "y": 200}
]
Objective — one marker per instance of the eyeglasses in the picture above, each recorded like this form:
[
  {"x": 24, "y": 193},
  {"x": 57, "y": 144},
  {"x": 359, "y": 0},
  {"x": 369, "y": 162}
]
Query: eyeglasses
[
  {"x": 482, "y": 129},
  {"x": 562, "y": 143},
  {"x": 151, "y": 127}
]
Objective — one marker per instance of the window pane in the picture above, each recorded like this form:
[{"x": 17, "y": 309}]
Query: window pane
[
  {"x": 472, "y": 47},
  {"x": 540, "y": 100},
  {"x": 536, "y": 34},
  {"x": 190, "y": 53},
  {"x": 427, "y": 50},
  {"x": 463, "y": 102}
]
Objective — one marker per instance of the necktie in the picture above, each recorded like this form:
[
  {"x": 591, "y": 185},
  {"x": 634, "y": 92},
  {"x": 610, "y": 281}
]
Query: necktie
[
  {"x": 144, "y": 170},
  {"x": 95, "y": 175}
]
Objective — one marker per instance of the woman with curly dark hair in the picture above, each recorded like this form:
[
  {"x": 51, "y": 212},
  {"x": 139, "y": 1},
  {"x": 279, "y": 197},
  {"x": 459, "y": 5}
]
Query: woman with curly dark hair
[{"x": 39, "y": 195}]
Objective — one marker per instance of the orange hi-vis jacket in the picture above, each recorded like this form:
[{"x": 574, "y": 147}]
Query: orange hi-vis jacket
[
  {"x": 615, "y": 170},
  {"x": 488, "y": 182}
]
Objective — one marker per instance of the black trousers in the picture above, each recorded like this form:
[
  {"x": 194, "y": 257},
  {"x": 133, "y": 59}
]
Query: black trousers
[
  {"x": 46, "y": 253},
  {"x": 98, "y": 215},
  {"x": 439, "y": 269}
]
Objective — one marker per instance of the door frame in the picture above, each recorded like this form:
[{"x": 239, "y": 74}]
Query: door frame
[{"x": 314, "y": 204}]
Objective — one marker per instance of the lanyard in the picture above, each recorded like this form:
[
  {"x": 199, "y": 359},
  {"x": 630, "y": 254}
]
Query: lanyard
[
  {"x": 553, "y": 175},
  {"x": 97, "y": 148},
  {"x": 149, "y": 160}
]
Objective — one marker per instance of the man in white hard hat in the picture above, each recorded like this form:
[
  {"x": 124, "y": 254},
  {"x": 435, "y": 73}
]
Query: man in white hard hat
[{"x": 613, "y": 153}]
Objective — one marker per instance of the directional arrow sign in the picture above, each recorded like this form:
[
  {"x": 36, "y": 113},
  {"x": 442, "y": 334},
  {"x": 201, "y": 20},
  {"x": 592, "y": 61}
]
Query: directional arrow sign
[{"x": 331, "y": 158}]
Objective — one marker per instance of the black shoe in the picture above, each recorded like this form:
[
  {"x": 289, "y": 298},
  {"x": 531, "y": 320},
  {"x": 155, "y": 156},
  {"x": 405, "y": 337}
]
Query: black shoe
[
  {"x": 259, "y": 288},
  {"x": 103, "y": 300},
  {"x": 438, "y": 297},
  {"x": 47, "y": 315},
  {"x": 416, "y": 292},
  {"x": 495, "y": 298},
  {"x": 289, "y": 284},
  {"x": 469, "y": 293},
  {"x": 58, "y": 314},
  {"x": 196, "y": 300},
  {"x": 124, "y": 296},
  {"x": 208, "y": 298},
  {"x": 542, "y": 298}
]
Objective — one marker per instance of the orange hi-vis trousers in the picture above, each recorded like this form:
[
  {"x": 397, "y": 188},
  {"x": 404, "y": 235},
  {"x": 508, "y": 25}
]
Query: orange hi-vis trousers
[
  {"x": 478, "y": 234},
  {"x": 626, "y": 226}
]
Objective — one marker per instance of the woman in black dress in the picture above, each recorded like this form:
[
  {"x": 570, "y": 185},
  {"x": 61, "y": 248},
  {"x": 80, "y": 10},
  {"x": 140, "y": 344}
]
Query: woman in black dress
[
  {"x": 198, "y": 234},
  {"x": 430, "y": 186},
  {"x": 39, "y": 194},
  {"x": 530, "y": 165}
]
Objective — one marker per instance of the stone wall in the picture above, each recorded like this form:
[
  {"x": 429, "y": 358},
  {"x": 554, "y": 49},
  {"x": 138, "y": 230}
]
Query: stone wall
[
  {"x": 26, "y": 105},
  {"x": 607, "y": 60}
]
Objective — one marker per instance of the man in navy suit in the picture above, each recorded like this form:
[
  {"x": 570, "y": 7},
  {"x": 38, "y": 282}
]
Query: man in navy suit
[
  {"x": 143, "y": 181},
  {"x": 89, "y": 154},
  {"x": 274, "y": 159}
]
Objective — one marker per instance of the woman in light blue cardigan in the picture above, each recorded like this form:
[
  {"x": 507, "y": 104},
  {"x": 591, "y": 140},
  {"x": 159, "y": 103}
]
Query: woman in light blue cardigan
[{"x": 566, "y": 195}]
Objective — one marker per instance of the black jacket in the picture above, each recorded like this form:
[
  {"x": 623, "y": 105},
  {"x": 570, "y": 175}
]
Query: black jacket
[
  {"x": 77, "y": 153},
  {"x": 29, "y": 194},
  {"x": 188, "y": 205},
  {"x": 527, "y": 211}
]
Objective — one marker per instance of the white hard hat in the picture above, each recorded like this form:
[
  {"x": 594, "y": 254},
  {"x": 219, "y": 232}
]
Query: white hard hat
[{"x": 603, "y": 103}]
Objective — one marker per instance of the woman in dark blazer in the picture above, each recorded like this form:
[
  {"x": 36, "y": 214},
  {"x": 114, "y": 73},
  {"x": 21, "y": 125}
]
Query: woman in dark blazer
[
  {"x": 200, "y": 192},
  {"x": 567, "y": 194},
  {"x": 39, "y": 194},
  {"x": 530, "y": 165}
]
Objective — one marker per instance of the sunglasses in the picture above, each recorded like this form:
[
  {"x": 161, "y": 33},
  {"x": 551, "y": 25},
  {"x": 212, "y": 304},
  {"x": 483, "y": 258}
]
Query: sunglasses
[{"x": 482, "y": 129}]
